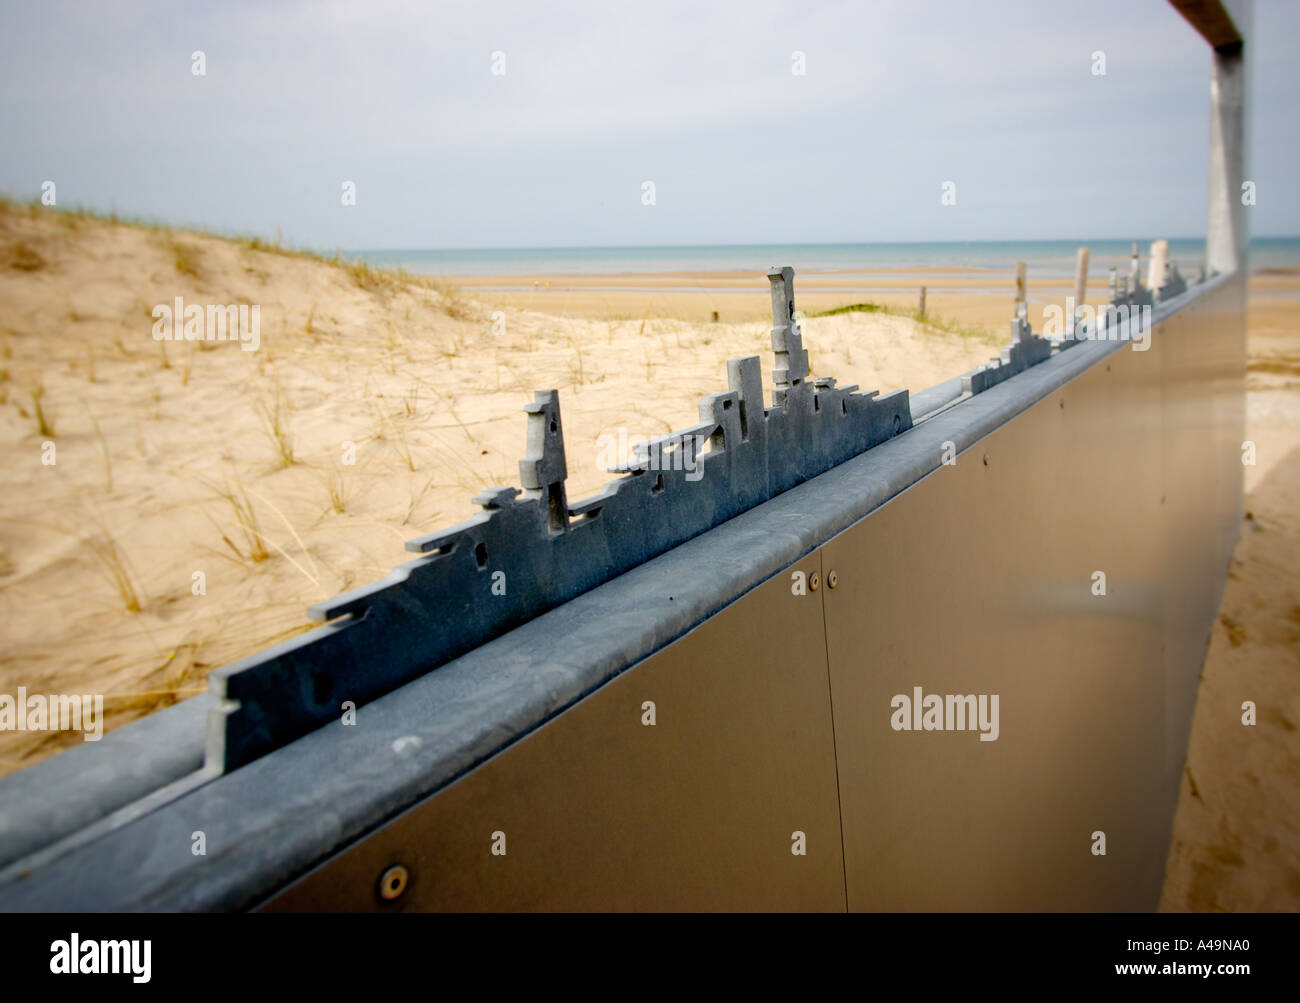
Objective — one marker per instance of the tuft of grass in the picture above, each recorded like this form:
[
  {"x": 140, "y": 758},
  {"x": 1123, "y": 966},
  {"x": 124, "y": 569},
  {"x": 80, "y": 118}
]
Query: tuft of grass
[
  {"x": 449, "y": 348},
  {"x": 853, "y": 308},
  {"x": 337, "y": 489},
  {"x": 366, "y": 276},
  {"x": 43, "y": 424},
  {"x": 115, "y": 566},
  {"x": 451, "y": 409},
  {"x": 24, "y": 258},
  {"x": 103, "y": 448},
  {"x": 576, "y": 367},
  {"x": 398, "y": 437},
  {"x": 416, "y": 498},
  {"x": 452, "y": 299},
  {"x": 934, "y": 323},
  {"x": 71, "y": 219},
  {"x": 253, "y": 548},
  {"x": 184, "y": 257},
  {"x": 947, "y": 325},
  {"x": 273, "y": 412}
]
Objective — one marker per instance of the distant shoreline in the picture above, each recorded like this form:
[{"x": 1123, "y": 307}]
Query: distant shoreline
[{"x": 1053, "y": 260}]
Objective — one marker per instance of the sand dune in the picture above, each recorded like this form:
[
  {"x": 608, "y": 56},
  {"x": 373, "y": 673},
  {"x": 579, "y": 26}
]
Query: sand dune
[{"x": 178, "y": 459}]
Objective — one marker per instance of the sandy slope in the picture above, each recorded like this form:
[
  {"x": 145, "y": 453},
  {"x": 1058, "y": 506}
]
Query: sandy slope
[{"x": 160, "y": 446}]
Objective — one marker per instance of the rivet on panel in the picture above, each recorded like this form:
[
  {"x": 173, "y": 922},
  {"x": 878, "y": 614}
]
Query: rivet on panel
[
  {"x": 392, "y": 883},
  {"x": 986, "y": 459},
  {"x": 832, "y": 579},
  {"x": 814, "y": 581}
]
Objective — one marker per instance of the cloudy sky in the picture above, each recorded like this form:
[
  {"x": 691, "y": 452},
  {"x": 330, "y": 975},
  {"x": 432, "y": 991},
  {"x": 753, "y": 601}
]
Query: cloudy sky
[{"x": 598, "y": 98}]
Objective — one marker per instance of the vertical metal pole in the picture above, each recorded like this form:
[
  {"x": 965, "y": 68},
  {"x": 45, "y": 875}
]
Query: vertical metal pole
[{"x": 1227, "y": 235}]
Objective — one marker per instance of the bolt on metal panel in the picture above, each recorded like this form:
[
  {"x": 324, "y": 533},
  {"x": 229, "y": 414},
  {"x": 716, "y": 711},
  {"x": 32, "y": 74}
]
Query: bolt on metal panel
[{"x": 701, "y": 779}]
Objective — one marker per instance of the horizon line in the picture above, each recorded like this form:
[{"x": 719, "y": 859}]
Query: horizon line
[{"x": 833, "y": 243}]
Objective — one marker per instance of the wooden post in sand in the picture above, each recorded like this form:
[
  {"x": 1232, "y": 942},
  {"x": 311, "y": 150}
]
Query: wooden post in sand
[
  {"x": 1080, "y": 284},
  {"x": 920, "y": 306},
  {"x": 1022, "y": 307}
]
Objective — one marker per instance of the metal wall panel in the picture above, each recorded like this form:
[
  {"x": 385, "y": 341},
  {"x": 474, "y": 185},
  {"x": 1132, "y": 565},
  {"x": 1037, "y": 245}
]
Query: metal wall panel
[
  {"x": 602, "y": 812},
  {"x": 1203, "y": 368},
  {"x": 979, "y": 579}
]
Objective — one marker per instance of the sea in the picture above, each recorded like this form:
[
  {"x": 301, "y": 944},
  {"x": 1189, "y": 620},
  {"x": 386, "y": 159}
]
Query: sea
[{"x": 1045, "y": 258}]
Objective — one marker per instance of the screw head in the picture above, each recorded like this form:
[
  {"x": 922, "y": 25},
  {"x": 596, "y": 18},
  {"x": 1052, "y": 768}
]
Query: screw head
[
  {"x": 814, "y": 581},
  {"x": 393, "y": 882},
  {"x": 832, "y": 579}
]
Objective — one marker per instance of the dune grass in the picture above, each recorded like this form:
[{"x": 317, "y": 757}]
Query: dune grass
[
  {"x": 944, "y": 325},
  {"x": 115, "y": 565},
  {"x": 44, "y": 425},
  {"x": 251, "y": 547},
  {"x": 187, "y": 257},
  {"x": 273, "y": 412}
]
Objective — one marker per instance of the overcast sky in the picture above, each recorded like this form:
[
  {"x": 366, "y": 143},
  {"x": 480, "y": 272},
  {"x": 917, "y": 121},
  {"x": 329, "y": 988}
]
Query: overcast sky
[{"x": 597, "y": 98}]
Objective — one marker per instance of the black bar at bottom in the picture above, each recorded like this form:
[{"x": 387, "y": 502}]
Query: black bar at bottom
[{"x": 481, "y": 955}]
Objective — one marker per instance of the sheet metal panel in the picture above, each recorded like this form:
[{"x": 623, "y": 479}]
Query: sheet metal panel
[
  {"x": 1203, "y": 372},
  {"x": 1124, "y": 471},
  {"x": 600, "y": 811}
]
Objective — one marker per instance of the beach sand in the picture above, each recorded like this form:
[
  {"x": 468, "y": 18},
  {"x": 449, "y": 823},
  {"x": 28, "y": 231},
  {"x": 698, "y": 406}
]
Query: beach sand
[
  {"x": 186, "y": 463},
  {"x": 1236, "y": 842}
]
